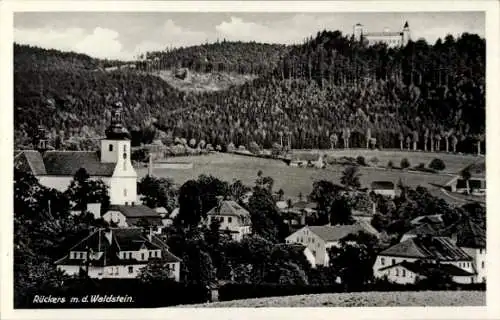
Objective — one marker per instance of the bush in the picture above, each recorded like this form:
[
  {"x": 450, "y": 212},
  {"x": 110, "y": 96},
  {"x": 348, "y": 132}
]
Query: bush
[
  {"x": 390, "y": 165},
  {"x": 437, "y": 164},
  {"x": 361, "y": 161},
  {"x": 405, "y": 163},
  {"x": 421, "y": 165},
  {"x": 374, "y": 160}
]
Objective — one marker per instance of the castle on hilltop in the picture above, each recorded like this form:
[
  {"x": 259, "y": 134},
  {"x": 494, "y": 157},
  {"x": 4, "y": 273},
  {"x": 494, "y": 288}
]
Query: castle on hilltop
[{"x": 391, "y": 39}]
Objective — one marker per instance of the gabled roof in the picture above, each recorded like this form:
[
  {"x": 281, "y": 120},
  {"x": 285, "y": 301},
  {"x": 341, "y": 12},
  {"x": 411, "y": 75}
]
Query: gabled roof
[
  {"x": 433, "y": 219},
  {"x": 122, "y": 239},
  {"x": 433, "y": 248},
  {"x": 335, "y": 233},
  {"x": 468, "y": 233},
  {"x": 229, "y": 208},
  {"x": 384, "y": 185},
  {"x": 422, "y": 268},
  {"x": 66, "y": 163},
  {"x": 30, "y": 161},
  {"x": 424, "y": 229},
  {"x": 135, "y": 211}
]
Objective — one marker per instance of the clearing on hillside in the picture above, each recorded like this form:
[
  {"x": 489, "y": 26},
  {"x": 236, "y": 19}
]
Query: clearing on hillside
[
  {"x": 360, "y": 299},
  {"x": 204, "y": 82}
]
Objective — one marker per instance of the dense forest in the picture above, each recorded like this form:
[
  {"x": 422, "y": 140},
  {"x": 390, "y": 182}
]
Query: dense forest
[{"x": 328, "y": 92}]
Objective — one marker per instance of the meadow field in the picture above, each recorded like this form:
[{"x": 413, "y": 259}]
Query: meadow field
[
  {"x": 360, "y": 299},
  {"x": 295, "y": 181}
]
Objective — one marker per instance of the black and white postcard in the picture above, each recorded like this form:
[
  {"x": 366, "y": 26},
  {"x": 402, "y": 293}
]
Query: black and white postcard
[{"x": 249, "y": 155}]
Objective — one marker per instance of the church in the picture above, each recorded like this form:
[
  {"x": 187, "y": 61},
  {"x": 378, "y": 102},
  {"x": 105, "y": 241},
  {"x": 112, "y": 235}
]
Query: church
[
  {"x": 391, "y": 39},
  {"x": 112, "y": 164}
]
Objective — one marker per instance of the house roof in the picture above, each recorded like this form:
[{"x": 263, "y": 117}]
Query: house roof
[
  {"x": 122, "y": 239},
  {"x": 422, "y": 268},
  {"x": 30, "y": 161},
  {"x": 135, "y": 211},
  {"x": 435, "y": 248},
  {"x": 468, "y": 234},
  {"x": 424, "y": 229},
  {"x": 384, "y": 185},
  {"x": 335, "y": 233},
  {"x": 229, "y": 208},
  {"x": 433, "y": 219},
  {"x": 66, "y": 163}
]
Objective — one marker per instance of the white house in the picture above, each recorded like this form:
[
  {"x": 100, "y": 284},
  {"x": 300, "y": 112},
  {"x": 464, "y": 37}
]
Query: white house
[
  {"x": 320, "y": 238},
  {"x": 233, "y": 218},
  {"x": 307, "y": 160},
  {"x": 471, "y": 238},
  {"x": 384, "y": 188},
  {"x": 408, "y": 272},
  {"x": 134, "y": 215},
  {"x": 424, "y": 251},
  {"x": 118, "y": 253},
  {"x": 56, "y": 169}
]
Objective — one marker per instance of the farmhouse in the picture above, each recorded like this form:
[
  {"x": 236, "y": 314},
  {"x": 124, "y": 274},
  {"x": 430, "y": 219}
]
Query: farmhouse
[
  {"x": 408, "y": 272},
  {"x": 56, "y": 169},
  {"x": 134, "y": 215},
  {"x": 471, "y": 238},
  {"x": 425, "y": 250},
  {"x": 320, "y": 238},
  {"x": 118, "y": 253},
  {"x": 232, "y": 217},
  {"x": 307, "y": 160},
  {"x": 384, "y": 188},
  {"x": 476, "y": 184}
]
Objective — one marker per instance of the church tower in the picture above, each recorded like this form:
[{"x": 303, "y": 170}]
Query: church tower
[
  {"x": 116, "y": 148},
  {"x": 406, "y": 34}
]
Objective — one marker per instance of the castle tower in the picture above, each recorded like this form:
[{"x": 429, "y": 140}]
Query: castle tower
[
  {"x": 406, "y": 34},
  {"x": 358, "y": 32},
  {"x": 117, "y": 138}
]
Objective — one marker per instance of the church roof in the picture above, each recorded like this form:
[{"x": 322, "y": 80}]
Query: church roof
[{"x": 62, "y": 163}]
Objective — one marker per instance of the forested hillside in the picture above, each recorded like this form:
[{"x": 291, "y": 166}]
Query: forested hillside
[{"x": 327, "y": 91}]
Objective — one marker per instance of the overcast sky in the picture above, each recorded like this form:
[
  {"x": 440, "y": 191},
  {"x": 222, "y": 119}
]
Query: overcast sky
[{"x": 124, "y": 35}]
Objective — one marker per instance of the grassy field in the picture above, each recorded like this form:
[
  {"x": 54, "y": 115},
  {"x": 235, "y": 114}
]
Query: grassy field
[
  {"x": 295, "y": 180},
  {"x": 360, "y": 299}
]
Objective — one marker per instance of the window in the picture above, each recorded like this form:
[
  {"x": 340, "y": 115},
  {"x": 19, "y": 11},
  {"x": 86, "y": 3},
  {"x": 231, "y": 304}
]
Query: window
[
  {"x": 173, "y": 266},
  {"x": 312, "y": 240},
  {"x": 130, "y": 269},
  {"x": 110, "y": 147},
  {"x": 382, "y": 261},
  {"x": 397, "y": 272},
  {"x": 81, "y": 255},
  {"x": 404, "y": 272},
  {"x": 124, "y": 192},
  {"x": 126, "y": 203},
  {"x": 471, "y": 279},
  {"x": 484, "y": 279},
  {"x": 150, "y": 254},
  {"x": 130, "y": 255},
  {"x": 314, "y": 253},
  {"x": 229, "y": 219},
  {"x": 482, "y": 264},
  {"x": 480, "y": 251},
  {"x": 393, "y": 261},
  {"x": 142, "y": 256}
]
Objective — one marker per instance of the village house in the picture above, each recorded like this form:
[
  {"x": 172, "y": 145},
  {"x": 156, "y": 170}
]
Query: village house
[
  {"x": 417, "y": 253},
  {"x": 233, "y": 218},
  {"x": 476, "y": 183},
  {"x": 320, "y": 238},
  {"x": 307, "y": 160},
  {"x": 112, "y": 164},
  {"x": 471, "y": 238},
  {"x": 426, "y": 229},
  {"x": 134, "y": 215},
  {"x": 118, "y": 253},
  {"x": 384, "y": 188}
]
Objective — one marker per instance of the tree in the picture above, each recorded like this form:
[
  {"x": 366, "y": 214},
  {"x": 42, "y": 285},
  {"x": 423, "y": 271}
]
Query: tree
[
  {"x": 280, "y": 194},
  {"x": 415, "y": 140},
  {"x": 401, "y": 139},
  {"x": 157, "y": 192},
  {"x": 340, "y": 212},
  {"x": 190, "y": 205},
  {"x": 405, "y": 163},
  {"x": 437, "y": 164},
  {"x": 353, "y": 259},
  {"x": 266, "y": 219},
  {"x": 408, "y": 142},
  {"x": 426, "y": 137},
  {"x": 238, "y": 190},
  {"x": 466, "y": 175},
  {"x": 350, "y": 177},
  {"x": 454, "y": 142},
  {"x": 155, "y": 271},
  {"x": 83, "y": 190},
  {"x": 324, "y": 194}
]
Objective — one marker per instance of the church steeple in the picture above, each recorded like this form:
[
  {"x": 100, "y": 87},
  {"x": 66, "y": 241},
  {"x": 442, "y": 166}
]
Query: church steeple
[{"x": 116, "y": 130}]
